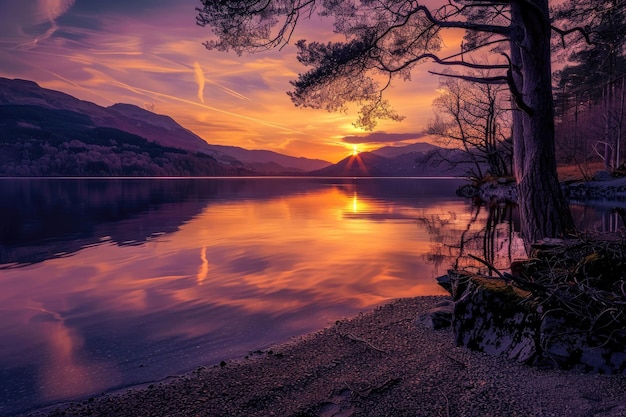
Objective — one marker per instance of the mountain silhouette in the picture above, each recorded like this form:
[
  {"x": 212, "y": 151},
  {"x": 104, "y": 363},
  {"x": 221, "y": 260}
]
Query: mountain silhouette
[
  {"x": 437, "y": 162},
  {"x": 364, "y": 164}
]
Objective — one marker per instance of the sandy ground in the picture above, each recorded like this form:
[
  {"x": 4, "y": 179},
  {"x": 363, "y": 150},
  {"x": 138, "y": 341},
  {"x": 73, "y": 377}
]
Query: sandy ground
[{"x": 377, "y": 364}]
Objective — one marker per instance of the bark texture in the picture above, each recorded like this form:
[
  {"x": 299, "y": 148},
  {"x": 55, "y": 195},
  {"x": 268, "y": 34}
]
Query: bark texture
[{"x": 543, "y": 209}]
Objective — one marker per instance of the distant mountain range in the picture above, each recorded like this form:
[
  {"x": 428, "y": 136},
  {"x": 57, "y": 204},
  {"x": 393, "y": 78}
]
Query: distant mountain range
[
  {"x": 435, "y": 162},
  {"x": 159, "y": 129},
  {"x": 45, "y": 132}
]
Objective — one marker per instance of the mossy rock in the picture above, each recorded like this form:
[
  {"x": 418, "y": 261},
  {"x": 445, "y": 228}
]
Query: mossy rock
[{"x": 492, "y": 316}]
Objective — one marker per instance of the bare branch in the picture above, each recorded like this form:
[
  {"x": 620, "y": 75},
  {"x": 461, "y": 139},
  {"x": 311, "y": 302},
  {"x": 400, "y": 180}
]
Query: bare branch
[
  {"x": 501, "y": 79},
  {"x": 463, "y": 63},
  {"x": 564, "y": 32}
]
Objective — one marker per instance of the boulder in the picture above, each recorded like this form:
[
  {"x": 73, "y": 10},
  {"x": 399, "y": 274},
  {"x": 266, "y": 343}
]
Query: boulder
[
  {"x": 566, "y": 346},
  {"x": 467, "y": 191},
  {"x": 602, "y": 176},
  {"x": 496, "y": 191},
  {"x": 438, "y": 317},
  {"x": 490, "y": 316}
]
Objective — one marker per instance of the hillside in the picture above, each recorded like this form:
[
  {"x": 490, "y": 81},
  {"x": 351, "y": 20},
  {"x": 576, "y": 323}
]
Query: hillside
[
  {"x": 39, "y": 141},
  {"x": 414, "y": 148},
  {"x": 272, "y": 159},
  {"x": 160, "y": 129}
]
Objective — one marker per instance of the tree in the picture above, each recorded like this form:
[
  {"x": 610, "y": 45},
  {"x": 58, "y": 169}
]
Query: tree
[
  {"x": 475, "y": 117},
  {"x": 596, "y": 70},
  {"x": 386, "y": 39}
]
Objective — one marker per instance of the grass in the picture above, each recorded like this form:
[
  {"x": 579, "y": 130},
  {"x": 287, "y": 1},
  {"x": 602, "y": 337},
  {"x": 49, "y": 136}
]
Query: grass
[{"x": 579, "y": 172}]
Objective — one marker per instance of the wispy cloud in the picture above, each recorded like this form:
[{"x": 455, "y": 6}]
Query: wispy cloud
[
  {"x": 51, "y": 10},
  {"x": 47, "y": 11},
  {"x": 156, "y": 94},
  {"x": 382, "y": 137},
  {"x": 199, "y": 75},
  {"x": 109, "y": 52},
  {"x": 222, "y": 87}
]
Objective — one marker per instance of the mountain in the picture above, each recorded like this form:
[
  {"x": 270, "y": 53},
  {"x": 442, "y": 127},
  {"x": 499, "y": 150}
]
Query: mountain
[
  {"x": 272, "y": 160},
  {"x": 154, "y": 127},
  {"x": 47, "y": 132},
  {"x": 393, "y": 151},
  {"x": 438, "y": 162},
  {"x": 364, "y": 164}
]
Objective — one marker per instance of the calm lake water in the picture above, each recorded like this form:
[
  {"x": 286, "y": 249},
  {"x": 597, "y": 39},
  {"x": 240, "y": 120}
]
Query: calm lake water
[{"x": 106, "y": 283}]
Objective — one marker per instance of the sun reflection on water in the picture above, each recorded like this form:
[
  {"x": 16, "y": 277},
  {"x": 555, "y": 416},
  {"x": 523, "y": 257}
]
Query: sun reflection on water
[{"x": 235, "y": 274}]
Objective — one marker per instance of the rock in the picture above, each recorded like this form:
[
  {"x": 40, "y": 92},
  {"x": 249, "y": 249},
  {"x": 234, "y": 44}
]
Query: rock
[
  {"x": 439, "y": 317},
  {"x": 600, "y": 188},
  {"x": 498, "y": 318},
  {"x": 445, "y": 282},
  {"x": 567, "y": 346},
  {"x": 489, "y": 316},
  {"x": 467, "y": 191},
  {"x": 602, "y": 176},
  {"x": 491, "y": 191}
]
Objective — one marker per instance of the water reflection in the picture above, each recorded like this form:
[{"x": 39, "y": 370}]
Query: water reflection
[
  {"x": 488, "y": 232},
  {"x": 491, "y": 233},
  {"x": 603, "y": 216},
  {"x": 108, "y": 283}
]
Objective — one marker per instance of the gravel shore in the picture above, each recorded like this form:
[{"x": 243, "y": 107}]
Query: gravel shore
[{"x": 377, "y": 364}]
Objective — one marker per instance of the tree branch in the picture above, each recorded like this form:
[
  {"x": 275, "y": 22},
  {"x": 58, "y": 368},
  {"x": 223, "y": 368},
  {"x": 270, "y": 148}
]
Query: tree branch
[
  {"x": 517, "y": 95},
  {"x": 500, "y": 79},
  {"x": 463, "y": 63},
  {"x": 501, "y": 30},
  {"x": 564, "y": 32}
]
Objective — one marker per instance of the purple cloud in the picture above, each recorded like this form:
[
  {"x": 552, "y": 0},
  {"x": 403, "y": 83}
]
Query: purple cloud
[{"x": 382, "y": 137}]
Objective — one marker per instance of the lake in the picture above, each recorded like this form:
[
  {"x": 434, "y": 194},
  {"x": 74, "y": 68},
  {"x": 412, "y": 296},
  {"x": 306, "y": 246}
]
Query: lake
[{"x": 107, "y": 283}]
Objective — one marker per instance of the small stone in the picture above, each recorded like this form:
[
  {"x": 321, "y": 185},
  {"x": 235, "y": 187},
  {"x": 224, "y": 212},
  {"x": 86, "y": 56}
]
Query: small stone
[{"x": 436, "y": 318}]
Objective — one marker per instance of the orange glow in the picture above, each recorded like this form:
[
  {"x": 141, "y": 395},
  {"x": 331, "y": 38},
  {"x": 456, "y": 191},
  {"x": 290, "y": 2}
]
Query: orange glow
[
  {"x": 203, "y": 270},
  {"x": 161, "y": 64},
  {"x": 355, "y": 203},
  {"x": 66, "y": 374},
  {"x": 283, "y": 255}
]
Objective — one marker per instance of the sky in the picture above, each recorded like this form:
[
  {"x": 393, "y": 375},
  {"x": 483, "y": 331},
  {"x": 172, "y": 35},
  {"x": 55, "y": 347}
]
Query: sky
[{"x": 150, "y": 53}]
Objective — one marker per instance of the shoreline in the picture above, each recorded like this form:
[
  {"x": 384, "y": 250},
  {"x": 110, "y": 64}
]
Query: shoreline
[{"x": 379, "y": 363}]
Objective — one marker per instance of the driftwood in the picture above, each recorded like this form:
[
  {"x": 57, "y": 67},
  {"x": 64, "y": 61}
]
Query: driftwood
[{"x": 358, "y": 339}]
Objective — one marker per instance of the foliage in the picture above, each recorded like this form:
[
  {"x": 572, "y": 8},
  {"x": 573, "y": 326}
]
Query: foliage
[
  {"x": 384, "y": 40},
  {"x": 590, "y": 88}
]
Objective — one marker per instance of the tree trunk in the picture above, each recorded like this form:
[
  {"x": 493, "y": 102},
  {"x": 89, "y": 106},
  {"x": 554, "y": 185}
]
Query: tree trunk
[{"x": 544, "y": 212}]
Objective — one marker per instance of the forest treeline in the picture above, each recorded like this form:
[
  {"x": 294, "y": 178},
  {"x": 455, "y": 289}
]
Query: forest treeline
[{"x": 37, "y": 141}]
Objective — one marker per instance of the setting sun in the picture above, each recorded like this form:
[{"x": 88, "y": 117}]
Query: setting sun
[{"x": 355, "y": 150}]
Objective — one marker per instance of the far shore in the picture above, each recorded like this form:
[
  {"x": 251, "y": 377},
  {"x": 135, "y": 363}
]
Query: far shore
[{"x": 379, "y": 363}]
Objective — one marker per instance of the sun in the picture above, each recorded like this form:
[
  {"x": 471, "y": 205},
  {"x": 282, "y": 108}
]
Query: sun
[{"x": 355, "y": 150}]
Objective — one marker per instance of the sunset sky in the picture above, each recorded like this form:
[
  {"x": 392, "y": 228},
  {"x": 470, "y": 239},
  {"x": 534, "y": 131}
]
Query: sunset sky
[{"x": 150, "y": 53}]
